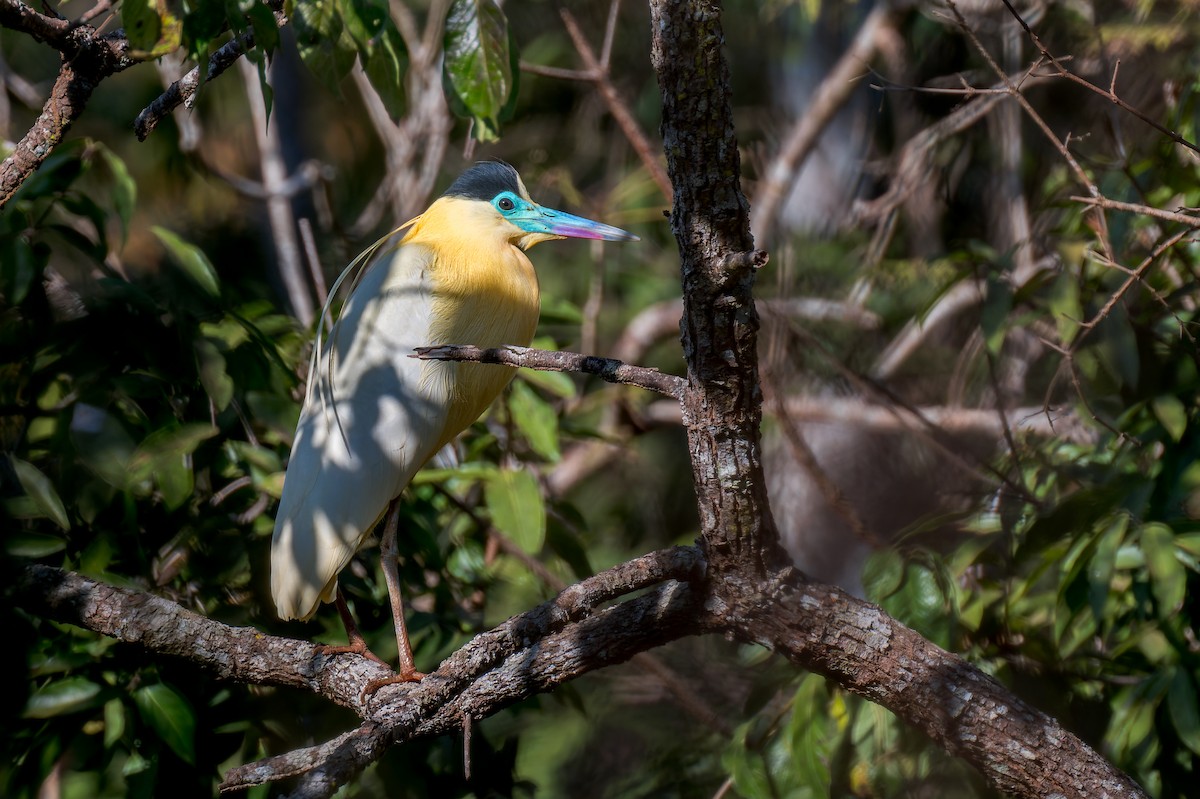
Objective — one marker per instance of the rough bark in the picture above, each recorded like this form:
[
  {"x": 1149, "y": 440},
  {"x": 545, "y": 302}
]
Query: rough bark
[
  {"x": 722, "y": 405},
  {"x": 87, "y": 59}
]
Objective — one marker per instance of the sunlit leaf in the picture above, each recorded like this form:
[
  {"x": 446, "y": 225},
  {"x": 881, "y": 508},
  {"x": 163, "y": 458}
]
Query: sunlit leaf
[
  {"x": 194, "y": 263},
  {"x": 515, "y": 503},
  {"x": 38, "y": 487},
  {"x": 60, "y": 697},
  {"x": 114, "y": 722},
  {"x": 166, "y": 712},
  {"x": 141, "y": 22},
  {"x": 476, "y": 66}
]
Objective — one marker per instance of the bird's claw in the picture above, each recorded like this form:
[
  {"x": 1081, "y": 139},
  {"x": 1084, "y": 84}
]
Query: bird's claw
[
  {"x": 359, "y": 648},
  {"x": 374, "y": 685}
]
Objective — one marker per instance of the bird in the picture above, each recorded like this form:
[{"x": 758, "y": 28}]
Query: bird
[{"x": 372, "y": 415}]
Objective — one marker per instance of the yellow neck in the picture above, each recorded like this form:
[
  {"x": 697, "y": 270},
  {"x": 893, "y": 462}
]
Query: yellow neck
[{"x": 485, "y": 292}]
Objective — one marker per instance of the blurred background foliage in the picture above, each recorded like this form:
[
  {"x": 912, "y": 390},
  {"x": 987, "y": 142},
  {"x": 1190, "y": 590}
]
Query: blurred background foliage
[{"x": 153, "y": 360}]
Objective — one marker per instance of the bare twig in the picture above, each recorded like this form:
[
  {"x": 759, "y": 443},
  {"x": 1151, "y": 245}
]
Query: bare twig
[
  {"x": 1138, "y": 208},
  {"x": 1109, "y": 94},
  {"x": 608, "y": 369},
  {"x": 646, "y": 152}
]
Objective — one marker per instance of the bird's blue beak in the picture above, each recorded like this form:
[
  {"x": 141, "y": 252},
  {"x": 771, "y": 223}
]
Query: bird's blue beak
[{"x": 537, "y": 219}]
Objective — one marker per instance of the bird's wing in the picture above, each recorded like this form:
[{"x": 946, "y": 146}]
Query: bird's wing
[{"x": 368, "y": 424}]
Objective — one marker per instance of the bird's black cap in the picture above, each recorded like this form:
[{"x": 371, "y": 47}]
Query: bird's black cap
[{"x": 485, "y": 180}]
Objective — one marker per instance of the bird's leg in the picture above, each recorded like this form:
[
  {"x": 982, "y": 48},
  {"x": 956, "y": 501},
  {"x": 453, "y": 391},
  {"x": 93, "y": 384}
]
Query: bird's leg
[
  {"x": 357, "y": 644},
  {"x": 391, "y": 573}
]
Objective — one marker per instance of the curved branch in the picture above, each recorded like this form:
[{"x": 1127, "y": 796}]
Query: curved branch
[
  {"x": 530, "y": 653},
  {"x": 1018, "y": 749}
]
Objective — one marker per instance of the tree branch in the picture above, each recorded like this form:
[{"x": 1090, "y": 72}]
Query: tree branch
[
  {"x": 183, "y": 91},
  {"x": 608, "y": 369},
  {"x": 711, "y": 222},
  {"x": 87, "y": 59},
  {"x": 1018, "y": 749},
  {"x": 532, "y": 652}
]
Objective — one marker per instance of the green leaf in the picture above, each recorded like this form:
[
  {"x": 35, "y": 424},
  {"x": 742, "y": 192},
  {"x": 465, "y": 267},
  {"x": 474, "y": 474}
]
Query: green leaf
[
  {"x": 39, "y": 488},
  {"x": 141, "y": 22},
  {"x": 22, "y": 544},
  {"x": 1103, "y": 563},
  {"x": 1116, "y": 347},
  {"x": 174, "y": 479},
  {"x": 163, "y": 456},
  {"x": 385, "y": 61},
  {"x": 61, "y": 697},
  {"x": 266, "y": 31},
  {"x": 1168, "y": 577},
  {"x": 151, "y": 28},
  {"x": 515, "y": 503},
  {"x": 169, "y": 715},
  {"x": 993, "y": 320},
  {"x": 467, "y": 563},
  {"x": 1184, "y": 708},
  {"x": 324, "y": 46},
  {"x": 883, "y": 574},
  {"x": 566, "y": 544},
  {"x": 536, "y": 419},
  {"x": 20, "y": 268},
  {"x": 477, "y": 64},
  {"x": 211, "y": 367},
  {"x": 559, "y": 384},
  {"x": 1172, "y": 414},
  {"x": 102, "y": 443},
  {"x": 123, "y": 191},
  {"x": 363, "y": 20},
  {"x": 189, "y": 257},
  {"x": 114, "y": 722}
]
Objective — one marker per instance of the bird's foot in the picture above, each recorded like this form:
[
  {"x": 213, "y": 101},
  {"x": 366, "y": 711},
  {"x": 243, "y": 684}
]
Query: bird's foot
[
  {"x": 404, "y": 676},
  {"x": 358, "y": 647}
]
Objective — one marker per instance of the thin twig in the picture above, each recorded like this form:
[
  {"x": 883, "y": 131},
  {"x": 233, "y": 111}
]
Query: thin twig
[
  {"x": 1138, "y": 208},
  {"x": 608, "y": 369},
  {"x": 646, "y": 152},
  {"x": 1110, "y": 94}
]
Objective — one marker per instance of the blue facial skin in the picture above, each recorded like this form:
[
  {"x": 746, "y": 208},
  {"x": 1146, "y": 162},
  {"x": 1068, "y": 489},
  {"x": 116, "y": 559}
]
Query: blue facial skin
[{"x": 533, "y": 218}]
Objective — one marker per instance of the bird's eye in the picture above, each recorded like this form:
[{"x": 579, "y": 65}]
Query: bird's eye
[{"x": 505, "y": 204}]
